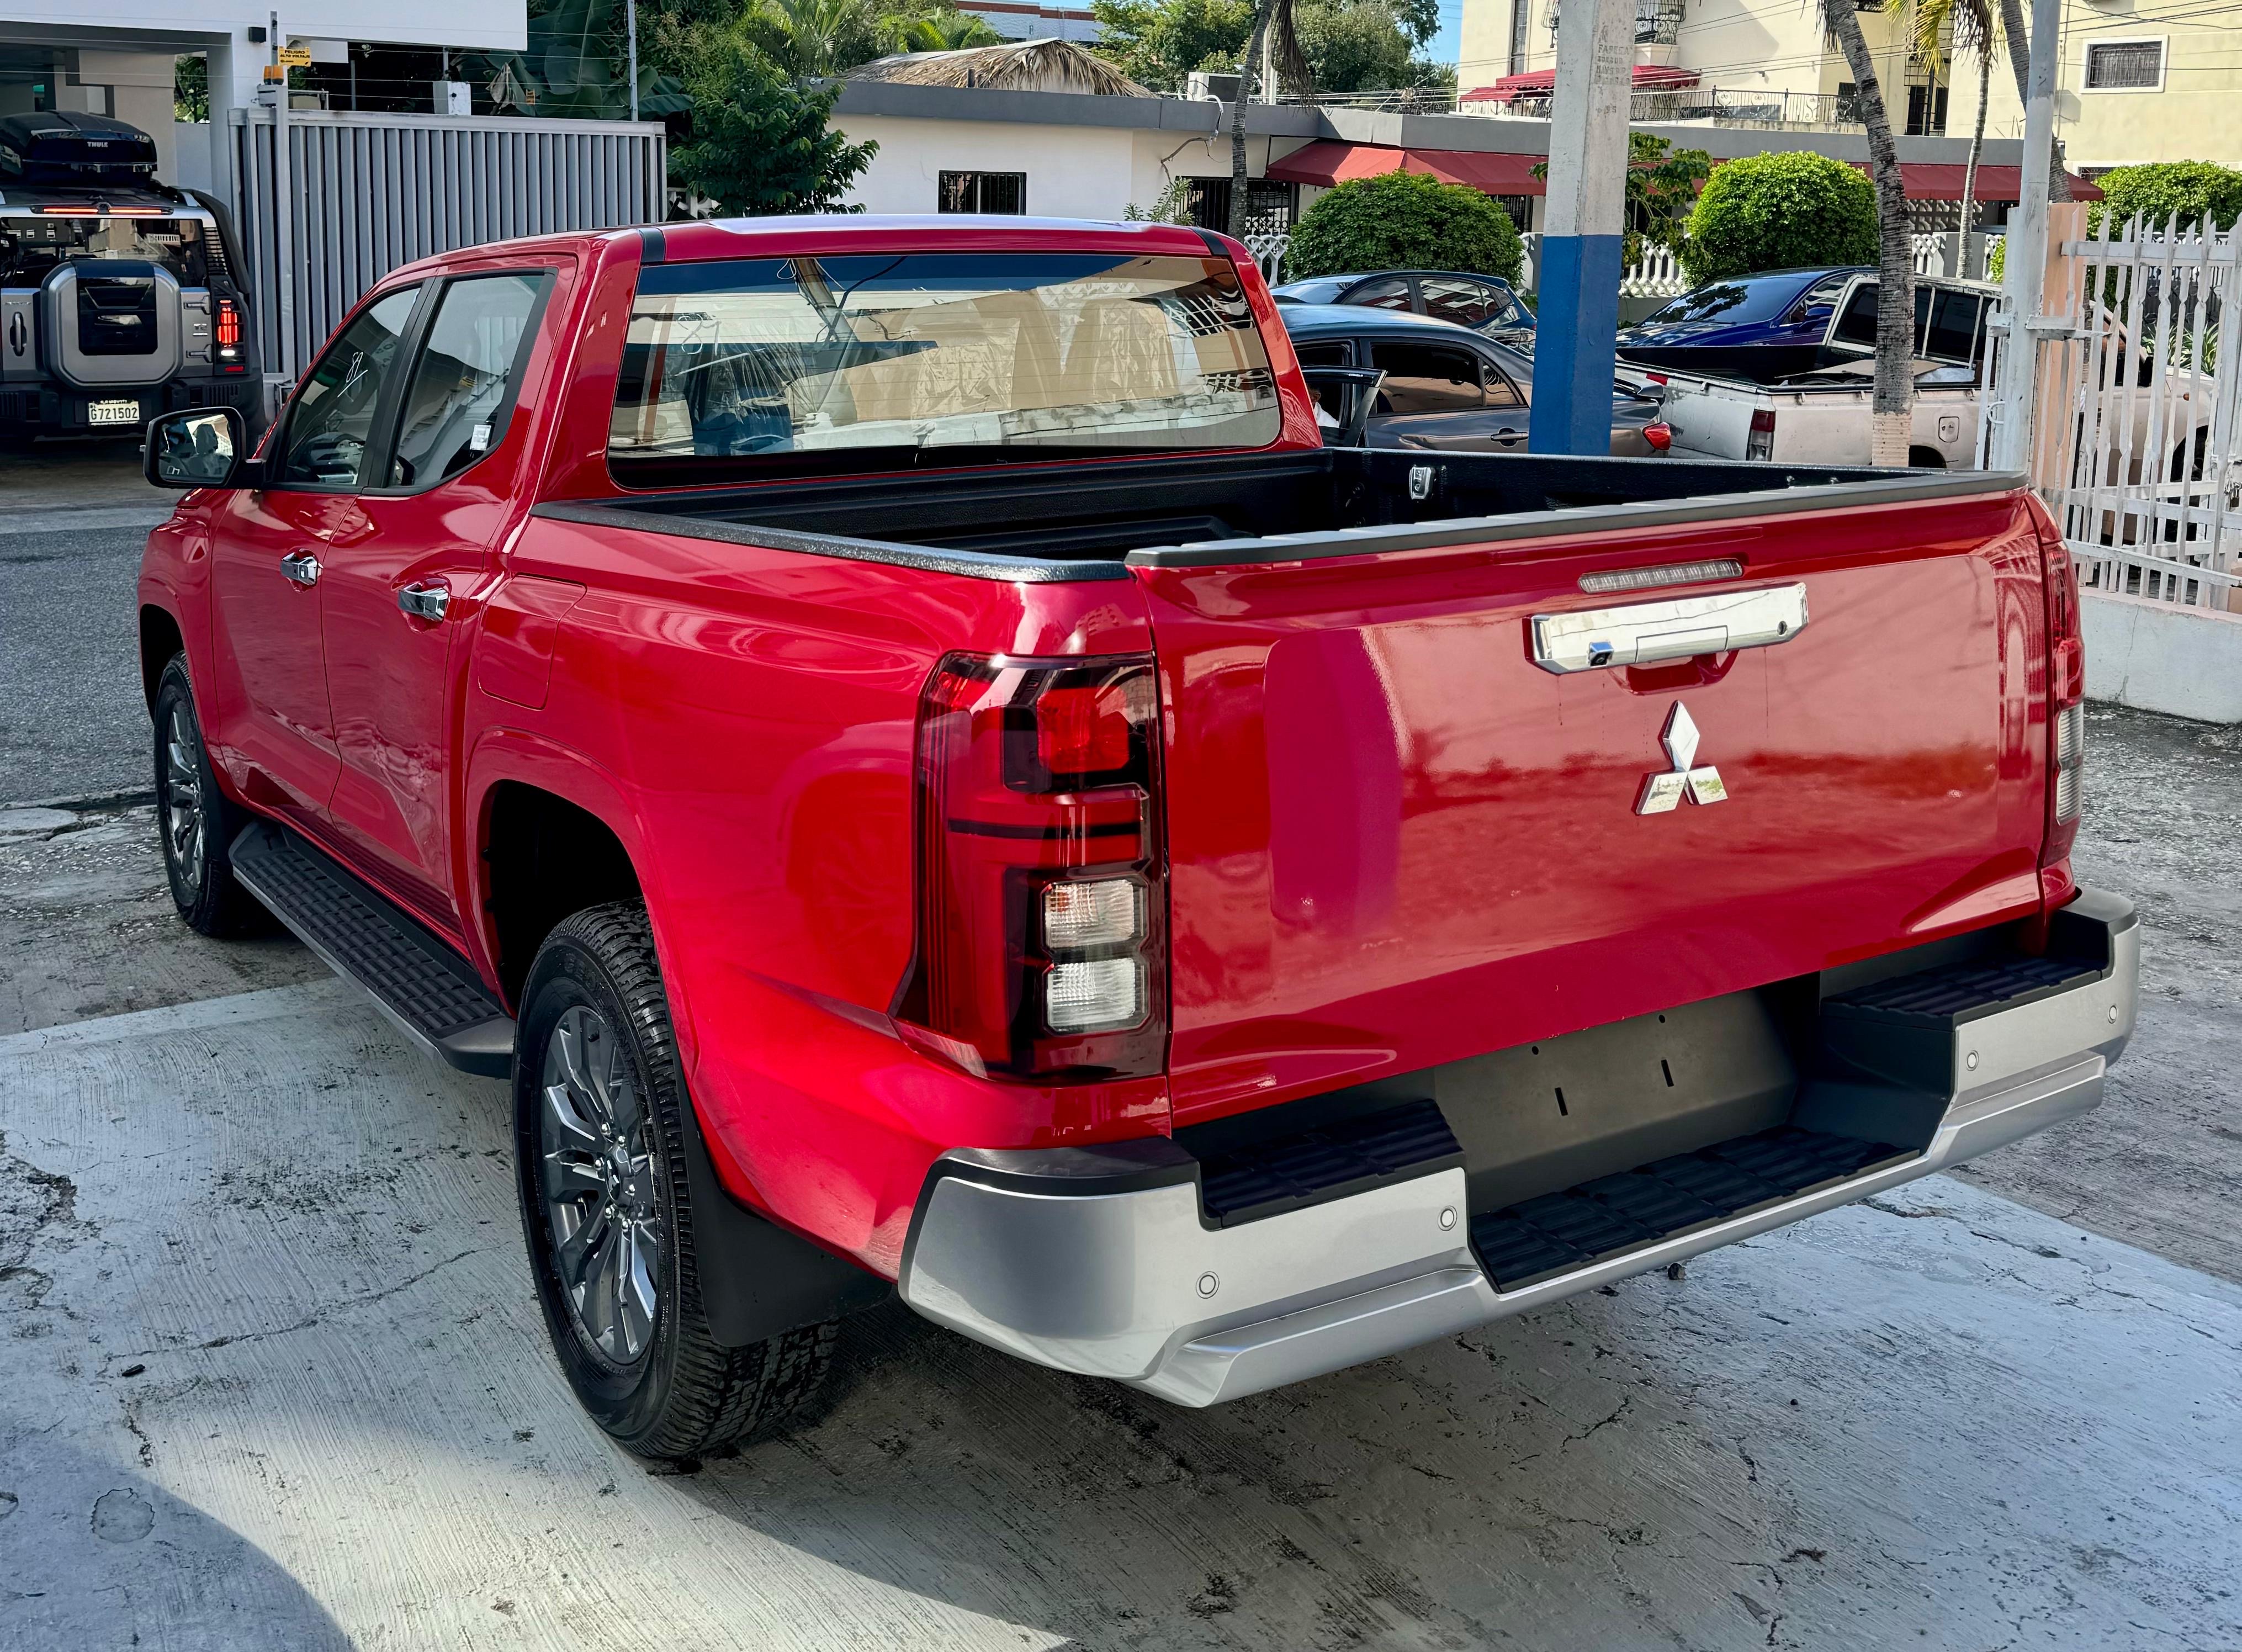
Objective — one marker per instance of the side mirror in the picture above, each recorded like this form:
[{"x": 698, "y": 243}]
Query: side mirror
[{"x": 197, "y": 447}]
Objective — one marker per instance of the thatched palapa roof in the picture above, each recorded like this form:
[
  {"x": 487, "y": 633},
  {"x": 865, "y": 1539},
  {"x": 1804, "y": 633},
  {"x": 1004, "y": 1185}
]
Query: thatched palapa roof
[{"x": 1026, "y": 65}]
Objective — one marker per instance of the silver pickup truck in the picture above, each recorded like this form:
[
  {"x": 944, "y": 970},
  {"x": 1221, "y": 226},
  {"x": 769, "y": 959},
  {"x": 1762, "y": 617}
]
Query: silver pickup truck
[{"x": 1822, "y": 416}]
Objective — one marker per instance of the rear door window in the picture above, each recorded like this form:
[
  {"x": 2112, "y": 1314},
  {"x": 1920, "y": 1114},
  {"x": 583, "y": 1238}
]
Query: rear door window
[
  {"x": 465, "y": 377},
  {"x": 1422, "y": 379},
  {"x": 1953, "y": 333},
  {"x": 1471, "y": 304},
  {"x": 330, "y": 434}
]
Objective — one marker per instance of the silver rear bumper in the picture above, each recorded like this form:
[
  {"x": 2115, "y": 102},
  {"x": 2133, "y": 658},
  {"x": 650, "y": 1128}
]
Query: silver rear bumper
[{"x": 1099, "y": 1260}]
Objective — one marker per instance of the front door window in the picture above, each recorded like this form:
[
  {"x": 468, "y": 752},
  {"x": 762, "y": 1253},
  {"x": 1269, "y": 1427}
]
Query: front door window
[{"x": 330, "y": 426}]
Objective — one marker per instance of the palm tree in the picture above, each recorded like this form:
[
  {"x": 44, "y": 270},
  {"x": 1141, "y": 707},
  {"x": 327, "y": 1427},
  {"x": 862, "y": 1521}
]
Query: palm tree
[
  {"x": 1273, "y": 19},
  {"x": 942, "y": 31},
  {"x": 1889, "y": 420},
  {"x": 1975, "y": 29}
]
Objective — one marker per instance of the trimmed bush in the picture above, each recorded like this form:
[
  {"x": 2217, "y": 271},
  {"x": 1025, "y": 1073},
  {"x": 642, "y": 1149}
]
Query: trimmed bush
[
  {"x": 1780, "y": 211},
  {"x": 2194, "y": 190},
  {"x": 1403, "y": 221}
]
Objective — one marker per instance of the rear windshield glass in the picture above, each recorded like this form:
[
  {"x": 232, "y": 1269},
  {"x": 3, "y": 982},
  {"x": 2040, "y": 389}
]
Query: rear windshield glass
[
  {"x": 30, "y": 246},
  {"x": 1748, "y": 300},
  {"x": 774, "y": 367}
]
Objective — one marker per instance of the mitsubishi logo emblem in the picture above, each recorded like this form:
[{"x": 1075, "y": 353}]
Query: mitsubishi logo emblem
[{"x": 1702, "y": 785}]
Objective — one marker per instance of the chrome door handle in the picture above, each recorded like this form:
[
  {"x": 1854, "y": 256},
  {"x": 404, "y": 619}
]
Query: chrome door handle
[
  {"x": 1645, "y": 633},
  {"x": 428, "y": 599},
  {"x": 301, "y": 567}
]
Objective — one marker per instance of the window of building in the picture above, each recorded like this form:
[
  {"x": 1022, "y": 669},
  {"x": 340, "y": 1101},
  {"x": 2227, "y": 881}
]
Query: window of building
[
  {"x": 2124, "y": 66},
  {"x": 1926, "y": 110},
  {"x": 1000, "y": 192},
  {"x": 1271, "y": 206}
]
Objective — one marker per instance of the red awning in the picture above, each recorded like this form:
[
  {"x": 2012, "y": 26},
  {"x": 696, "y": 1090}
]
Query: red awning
[
  {"x": 1940, "y": 181},
  {"x": 1328, "y": 163},
  {"x": 1541, "y": 83}
]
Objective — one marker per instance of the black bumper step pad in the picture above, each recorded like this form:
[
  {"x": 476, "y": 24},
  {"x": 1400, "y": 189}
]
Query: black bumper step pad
[
  {"x": 1559, "y": 1232},
  {"x": 1965, "y": 991},
  {"x": 1328, "y": 1162},
  {"x": 424, "y": 985}
]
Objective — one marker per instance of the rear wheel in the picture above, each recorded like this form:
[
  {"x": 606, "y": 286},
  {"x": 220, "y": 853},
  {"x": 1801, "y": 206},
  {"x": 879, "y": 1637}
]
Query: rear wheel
[
  {"x": 196, "y": 821},
  {"x": 608, "y": 1213}
]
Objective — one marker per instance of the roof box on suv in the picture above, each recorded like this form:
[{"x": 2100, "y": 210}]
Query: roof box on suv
[{"x": 74, "y": 150}]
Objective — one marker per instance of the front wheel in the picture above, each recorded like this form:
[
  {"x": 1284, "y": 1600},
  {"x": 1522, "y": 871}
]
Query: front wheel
[
  {"x": 196, "y": 821},
  {"x": 608, "y": 1213}
]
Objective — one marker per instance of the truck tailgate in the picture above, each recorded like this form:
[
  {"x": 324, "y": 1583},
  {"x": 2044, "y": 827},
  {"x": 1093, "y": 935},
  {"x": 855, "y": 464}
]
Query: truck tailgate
[{"x": 1395, "y": 840}]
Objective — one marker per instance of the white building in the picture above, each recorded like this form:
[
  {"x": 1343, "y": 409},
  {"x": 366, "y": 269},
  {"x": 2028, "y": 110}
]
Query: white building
[
  {"x": 1064, "y": 154},
  {"x": 117, "y": 57}
]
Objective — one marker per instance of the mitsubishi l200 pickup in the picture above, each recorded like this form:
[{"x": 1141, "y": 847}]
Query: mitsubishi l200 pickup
[{"x": 896, "y": 741}]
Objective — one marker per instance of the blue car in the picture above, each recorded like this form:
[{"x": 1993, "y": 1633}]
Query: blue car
[{"x": 1765, "y": 326}]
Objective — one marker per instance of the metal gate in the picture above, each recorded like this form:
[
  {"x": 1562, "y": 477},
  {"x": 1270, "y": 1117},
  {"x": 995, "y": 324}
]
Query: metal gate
[
  {"x": 351, "y": 197},
  {"x": 2138, "y": 409}
]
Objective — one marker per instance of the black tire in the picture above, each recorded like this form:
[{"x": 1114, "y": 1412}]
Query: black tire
[
  {"x": 664, "y": 1390},
  {"x": 196, "y": 821}
]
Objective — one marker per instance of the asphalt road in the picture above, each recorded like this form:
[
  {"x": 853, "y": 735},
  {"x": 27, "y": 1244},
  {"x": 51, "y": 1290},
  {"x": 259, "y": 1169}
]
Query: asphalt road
[{"x": 73, "y": 517}]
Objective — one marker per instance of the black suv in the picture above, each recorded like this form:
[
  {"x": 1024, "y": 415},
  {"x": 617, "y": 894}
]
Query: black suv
[{"x": 120, "y": 297}]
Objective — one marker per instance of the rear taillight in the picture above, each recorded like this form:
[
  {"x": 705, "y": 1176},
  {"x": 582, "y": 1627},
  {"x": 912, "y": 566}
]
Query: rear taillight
[
  {"x": 1042, "y": 888},
  {"x": 1761, "y": 443},
  {"x": 1660, "y": 436},
  {"x": 2066, "y": 707},
  {"x": 228, "y": 327}
]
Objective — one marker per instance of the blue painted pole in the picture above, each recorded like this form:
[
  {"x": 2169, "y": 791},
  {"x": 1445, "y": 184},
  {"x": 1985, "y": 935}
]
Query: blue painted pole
[{"x": 1577, "y": 323}]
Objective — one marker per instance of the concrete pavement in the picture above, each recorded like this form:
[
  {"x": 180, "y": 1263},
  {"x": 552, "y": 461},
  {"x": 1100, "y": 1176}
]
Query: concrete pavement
[{"x": 276, "y": 1379}]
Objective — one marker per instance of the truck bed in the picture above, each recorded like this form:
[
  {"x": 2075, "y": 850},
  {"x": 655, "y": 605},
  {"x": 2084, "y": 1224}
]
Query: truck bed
[{"x": 1092, "y": 521}]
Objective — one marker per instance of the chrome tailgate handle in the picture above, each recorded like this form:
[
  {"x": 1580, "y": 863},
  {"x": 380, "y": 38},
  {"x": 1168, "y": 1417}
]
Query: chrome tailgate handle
[{"x": 1678, "y": 628}]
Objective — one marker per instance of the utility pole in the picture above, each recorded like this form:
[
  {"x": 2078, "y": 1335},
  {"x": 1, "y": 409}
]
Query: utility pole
[
  {"x": 2024, "y": 269},
  {"x": 1577, "y": 325},
  {"x": 630, "y": 23}
]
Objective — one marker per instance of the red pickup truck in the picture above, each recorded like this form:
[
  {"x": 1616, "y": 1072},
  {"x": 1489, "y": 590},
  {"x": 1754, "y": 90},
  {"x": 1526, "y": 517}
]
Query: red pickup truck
[{"x": 899, "y": 742}]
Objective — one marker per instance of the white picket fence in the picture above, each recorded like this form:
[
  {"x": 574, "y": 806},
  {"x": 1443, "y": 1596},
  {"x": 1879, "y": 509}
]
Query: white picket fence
[{"x": 2139, "y": 414}]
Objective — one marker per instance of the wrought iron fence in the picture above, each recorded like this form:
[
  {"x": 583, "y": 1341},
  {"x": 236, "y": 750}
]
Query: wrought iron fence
[{"x": 2137, "y": 420}]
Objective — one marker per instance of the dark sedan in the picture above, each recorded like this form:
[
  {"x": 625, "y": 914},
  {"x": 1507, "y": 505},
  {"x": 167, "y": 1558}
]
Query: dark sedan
[
  {"x": 1765, "y": 326},
  {"x": 1446, "y": 387},
  {"x": 1483, "y": 303}
]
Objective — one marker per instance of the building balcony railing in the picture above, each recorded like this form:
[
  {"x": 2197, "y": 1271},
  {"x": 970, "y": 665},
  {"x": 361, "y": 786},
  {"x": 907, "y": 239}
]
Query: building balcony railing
[{"x": 1703, "y": 106}]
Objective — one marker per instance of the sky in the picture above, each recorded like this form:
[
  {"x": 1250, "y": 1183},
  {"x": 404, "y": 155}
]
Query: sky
[{"x": 1447, "y": 45}]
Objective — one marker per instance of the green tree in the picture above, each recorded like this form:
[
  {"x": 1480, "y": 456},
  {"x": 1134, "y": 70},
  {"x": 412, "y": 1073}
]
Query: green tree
[
  {"x": 1366, "y": 45},
  {"x": 1348, "y": 45},
  {"x": 1156, "y": 42},
  {"x": 1777, "y": 212},
  {"x": 2191, "y": 190},
  {"x": 760, "y": 143},
  {"x": 575, "y": 67},
  {"x": 1402, "y": 220},
  {"x": 942, "y": 31},
  {"x": 814, "y": 38},
  {"x": 190, "y": 88},
  {"x": 1661, "y": 192}
]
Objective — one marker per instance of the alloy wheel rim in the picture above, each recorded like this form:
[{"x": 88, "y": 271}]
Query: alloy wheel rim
[
  {"x": 596, "y": 1167},
  {"x": 184, "y": 818}
]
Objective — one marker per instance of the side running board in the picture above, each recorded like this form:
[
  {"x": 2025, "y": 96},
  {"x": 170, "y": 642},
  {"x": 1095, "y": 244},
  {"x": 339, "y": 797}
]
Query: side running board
[{"x": 419, "y": 982}]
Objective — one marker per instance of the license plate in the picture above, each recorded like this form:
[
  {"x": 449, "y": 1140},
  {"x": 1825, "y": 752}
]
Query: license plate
[{"x": 112, "y": 413}]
